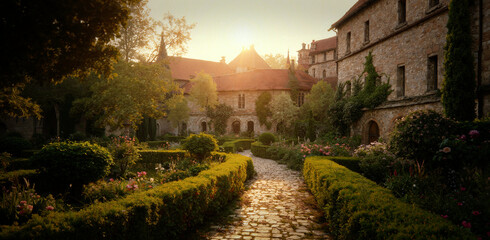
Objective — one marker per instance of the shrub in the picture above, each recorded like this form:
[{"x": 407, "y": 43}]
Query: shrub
[
  {"x": 357, "y": 208},
  {"x": 267, "y": 138},
  {"x": 166, "y": 211},
  {"x": 161, "y": 156},
  {"x": 14, "y": 145},
  {"x": 418, "y": 135},
  {"x": 200, "y": 145},
  {"x": 124, "y": 152},
  {"x": 236, "y": 145},
  {"x": 260, "y": 150},
  {"x": 77, "y": 163},
  {"x": 376, "y": 162}
]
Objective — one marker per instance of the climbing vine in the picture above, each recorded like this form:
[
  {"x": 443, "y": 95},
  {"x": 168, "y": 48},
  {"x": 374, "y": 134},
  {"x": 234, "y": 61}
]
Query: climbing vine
[{"x": 219, "y": 115}]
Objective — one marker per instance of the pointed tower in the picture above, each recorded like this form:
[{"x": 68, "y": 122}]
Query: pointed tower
[
  {"x": 287, "y": 61},
  {"x": 162, "y": 51}
]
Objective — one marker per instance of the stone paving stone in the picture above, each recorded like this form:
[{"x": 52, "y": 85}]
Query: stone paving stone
[{"x": 273, "y": 208}]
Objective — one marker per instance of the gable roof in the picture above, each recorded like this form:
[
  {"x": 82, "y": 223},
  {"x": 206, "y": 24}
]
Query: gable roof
[
  {"x": 262, "y": 79},
  {"x": 323, "y": 45},
  {"x": 187, "y": 68},
  {"x": 249, "y": 59},
  {"x": 357, "y": 7}
]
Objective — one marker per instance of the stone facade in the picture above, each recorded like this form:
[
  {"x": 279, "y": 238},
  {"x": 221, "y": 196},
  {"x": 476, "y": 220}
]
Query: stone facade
[
  {"x": 409, "y": 52},
  {"x": 322, "y": 57}
]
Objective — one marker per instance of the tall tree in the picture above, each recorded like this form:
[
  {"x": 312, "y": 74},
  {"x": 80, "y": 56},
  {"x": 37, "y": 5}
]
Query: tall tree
[
  {"x": 203, "y": 91},
  {"x": 277, "y": 61},
  {"x": 284, "y": 111},
  {"x": 458, "y": 87},
  {"x": 178, "y": 110},
  {"x": 136, "y": 91},
  {"x": 262, "y": 108},
  {"x": 219, "y": 115}
]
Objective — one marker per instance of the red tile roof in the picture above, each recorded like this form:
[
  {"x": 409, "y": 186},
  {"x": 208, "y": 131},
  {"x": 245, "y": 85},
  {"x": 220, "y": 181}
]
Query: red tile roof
[
  {"x": 259, "y": 80},
  {"x": 323, "y": 45},
  {"x": 262, "y": 79},
  {"x": 249, "y": 59},
  {"x": 187, "y": 68},
  {"x": 358, "y": 6}
]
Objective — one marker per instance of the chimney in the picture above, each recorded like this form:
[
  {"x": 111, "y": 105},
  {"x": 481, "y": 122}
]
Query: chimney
[
  {"x": 292, "y": 65},
  {"x": 304, "y": 45},
  {"x": 223, "y": 60}
]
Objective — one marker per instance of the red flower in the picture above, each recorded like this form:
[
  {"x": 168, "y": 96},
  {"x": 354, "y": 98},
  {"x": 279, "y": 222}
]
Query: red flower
[
  {"x": 444, "y": 216},
  {"x": 462, "y": 189},
  {"x": 466, "y": 224},
  {"x": 460, "y": 204},
  {"x": 476, "y": 213}
]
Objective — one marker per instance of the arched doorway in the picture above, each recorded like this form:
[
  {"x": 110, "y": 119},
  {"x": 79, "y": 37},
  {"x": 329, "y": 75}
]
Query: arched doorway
[
  {"x": 204, "y": 127},
  {"x": 236, "y": 127},
  {"x": 250, "y": 126},
  {"x": 373, "y": 131}
]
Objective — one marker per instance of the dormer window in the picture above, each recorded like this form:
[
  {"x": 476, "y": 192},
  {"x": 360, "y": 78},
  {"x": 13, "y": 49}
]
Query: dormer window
[
  {"x": 366, "y": 31},
  {"x": 402, "y": 12},
  {"x": 347, "y": 41}
]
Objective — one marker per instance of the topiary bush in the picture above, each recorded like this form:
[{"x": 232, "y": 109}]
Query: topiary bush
[
  {"x": 200, "y": 145},
  {"x": 418, "y": 135},
  {"x": 14, "y": 145},
  {"x": 63, "y": 163},
  {"x": 267, "y": 138}
]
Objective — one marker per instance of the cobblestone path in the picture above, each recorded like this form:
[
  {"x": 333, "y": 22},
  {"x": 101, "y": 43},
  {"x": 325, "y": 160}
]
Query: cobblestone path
[{"x": 276, "y": 205}]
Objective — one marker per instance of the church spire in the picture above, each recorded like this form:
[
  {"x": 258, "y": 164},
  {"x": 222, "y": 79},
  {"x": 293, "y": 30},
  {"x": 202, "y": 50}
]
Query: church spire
[
  {"x": 162, "y": 51},
  {"x": 287, "y": 61}
]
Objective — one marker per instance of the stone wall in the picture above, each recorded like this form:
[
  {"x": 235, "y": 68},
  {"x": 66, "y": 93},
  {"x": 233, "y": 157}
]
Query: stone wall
[{"x": 329, "y": 65}]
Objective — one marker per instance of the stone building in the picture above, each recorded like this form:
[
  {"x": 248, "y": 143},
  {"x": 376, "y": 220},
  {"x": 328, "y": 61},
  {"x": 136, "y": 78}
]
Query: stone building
[
  {"x": 407, "y": 41},
  {"x": 322, "y": 56},
  {"x": 304, "y": 58},
  {"x": 250, "y": 77}
]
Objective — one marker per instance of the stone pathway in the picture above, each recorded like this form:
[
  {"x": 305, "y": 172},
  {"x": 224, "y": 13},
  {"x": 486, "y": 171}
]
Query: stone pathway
[{"x": 276, "y": 205}]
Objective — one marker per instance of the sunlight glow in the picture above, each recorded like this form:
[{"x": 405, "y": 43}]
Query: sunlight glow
[{"x": 244, "y": 37}]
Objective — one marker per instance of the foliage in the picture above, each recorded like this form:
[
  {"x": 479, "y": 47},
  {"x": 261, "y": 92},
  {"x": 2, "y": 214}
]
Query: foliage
[
  {"x": 260, "y": 150},
  {"x": 293, "y": 85},
  {"x": 200, "y": 145},
  {"x": 13, "y": 104},
  {"x": 178, "y": 110},
  {"x": 277, "y": 61},
  {"x": 219, "y": 115},
  {"x": 284, "y": 111},
  {"x": 337, "y": 149},
  {"x": 168, "y": 210},
  {"x": 236, "y": 145},
  {"x": 5, "y": 159},
  {"x": 357, "y": 208},
  {"x": 161, "y": 156},
  {"x": 458, "y": 87},
  {"x": 175, "y": 33},
  {"x": 139, "y": 90},
  {"x": 14, "y": 145},
  {"x": 288, "y": 154},
  {"x": 124, "y": 153},
  {"x": 418, "y": 135},
  {"x": 19, "y": 203},
  {"x": 267, "y": 138},
  {"x": 320, "y": 97},
  {"x": 347, "y": 109},
  {"x": 203, "y": 91},
  {"x": 262, "y": 108},
  {"x": 64, "y": 163}
]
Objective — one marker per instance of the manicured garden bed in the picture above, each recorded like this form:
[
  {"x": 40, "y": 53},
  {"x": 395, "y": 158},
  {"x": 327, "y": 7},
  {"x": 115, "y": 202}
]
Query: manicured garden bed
[{"x": 357, "y": 208}]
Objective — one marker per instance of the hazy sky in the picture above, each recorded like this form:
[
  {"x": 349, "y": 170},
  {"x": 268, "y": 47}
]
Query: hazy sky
[{"x": 223, "y": 27}]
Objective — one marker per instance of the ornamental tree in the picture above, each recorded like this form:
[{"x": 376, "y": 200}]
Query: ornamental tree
[
  {"x": 458, "y": 86},
  {"x": 284, "y": 111}
]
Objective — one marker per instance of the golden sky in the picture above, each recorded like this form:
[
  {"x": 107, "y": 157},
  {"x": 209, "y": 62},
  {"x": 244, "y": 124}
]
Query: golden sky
[{"x": 224, "y": 27}]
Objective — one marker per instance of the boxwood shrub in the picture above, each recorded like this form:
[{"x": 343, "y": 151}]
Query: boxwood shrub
[
  {"x": 161, "y": 156},
  {"x": 235, "y": 145},
  {"x": 164, "y": 212},
  {"x": 357, "y": 208},
  {"x": 260, "y": 150}
]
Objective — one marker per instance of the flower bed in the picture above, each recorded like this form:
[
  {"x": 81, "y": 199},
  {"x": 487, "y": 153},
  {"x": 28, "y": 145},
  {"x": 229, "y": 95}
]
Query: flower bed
[
  {"x": 357, "y": 208},
  {"x": 163, "y": 212},
  {"x": 161, "y": 156}
]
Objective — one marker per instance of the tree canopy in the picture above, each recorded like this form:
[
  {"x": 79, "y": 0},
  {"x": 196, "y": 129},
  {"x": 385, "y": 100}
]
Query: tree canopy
[
  {"x": 203, "y": 91},
  {"x": 178, "y": 110},
  {"x": 284, "y": 111},
  {"x": 277, "y": 61}
]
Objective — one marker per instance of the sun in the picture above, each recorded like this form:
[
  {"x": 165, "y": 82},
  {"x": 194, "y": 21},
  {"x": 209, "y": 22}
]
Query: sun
[{"x": 244, "y": 37}]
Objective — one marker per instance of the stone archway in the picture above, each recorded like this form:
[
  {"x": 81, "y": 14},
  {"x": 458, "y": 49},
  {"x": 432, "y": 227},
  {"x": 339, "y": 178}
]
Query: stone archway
[
  {"x": 250, "y": 127},
  {"x": 235, "y": 127},
  {"x": 373, "y": 131}
]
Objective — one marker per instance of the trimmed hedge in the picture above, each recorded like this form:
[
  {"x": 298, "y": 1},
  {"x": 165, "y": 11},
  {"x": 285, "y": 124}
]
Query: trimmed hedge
[
  {"x": 351, "y": 163},
  {"x": 233, "y": 146},
  {"x": 20, "y": 163},
  {"x": 161, "y": 156},
  {"x": 357, "y": 208},
  {"x": 260, "y": 150},
  {"x": 18, "y": 174},
  {"x": 156, "y": 144},
  {"x": 164, "y": 212}
]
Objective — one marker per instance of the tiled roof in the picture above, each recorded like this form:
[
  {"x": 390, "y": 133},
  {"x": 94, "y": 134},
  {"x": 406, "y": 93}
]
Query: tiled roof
[
  {"x": 262, "y": 79},
  {"x": 187, "y": 68},
  {"x": 259, "y": 80},
  {"x": 249, "y": 59},
  {"x": 323, "y": 45},
  {"x": 358, "y": 6}
]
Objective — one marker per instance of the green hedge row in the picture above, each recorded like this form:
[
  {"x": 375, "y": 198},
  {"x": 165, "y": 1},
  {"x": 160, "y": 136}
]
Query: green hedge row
[
  {"x": 20, "y": 163},
  {"x": 17, "y": 174},
  {"x": 161, "y": 156},
  {"x": 260, "y": 150},
  {"x": 155, "y": 144},
  {"x": 164, "y": 212},
  {"x": 233, "y": 146},
  {"x": 351, "y": 163},
  {"x": 357, "y": 208}
]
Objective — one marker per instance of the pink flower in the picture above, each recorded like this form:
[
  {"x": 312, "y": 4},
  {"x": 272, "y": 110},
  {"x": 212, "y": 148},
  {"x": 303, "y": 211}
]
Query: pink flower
[
  {"x": 111, "y": 180},
  {"x": 474, "y": 133},
  {"x": 460, "y": 204},
  {"x": 446, "y": 150},
  {"x": 23, "y": 202},
  {"x": 30, "y": 207},
  {"x": 476, "y": 213},
  {"x": 444, "y": 216},
  {"x": 129, "y": 186},
  {"x": 462, "y": 189},
  {"x": 50, "y": 208},
  {"x": 466, "y": 224},
  {"x": 463, "y": 137}
]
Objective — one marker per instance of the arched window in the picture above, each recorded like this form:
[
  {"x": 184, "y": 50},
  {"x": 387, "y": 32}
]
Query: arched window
[
  {"x": 204, "y": 127},
  {"x": 250, "y": 126},
  {"x": 236, "y": 127},
  {"x": 373, "y": 131}
]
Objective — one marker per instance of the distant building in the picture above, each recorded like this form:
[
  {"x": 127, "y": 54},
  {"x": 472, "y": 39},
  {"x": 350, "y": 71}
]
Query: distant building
[
  {"x": 322, "y": 57},
  {"x": 304, "y": 58}
]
